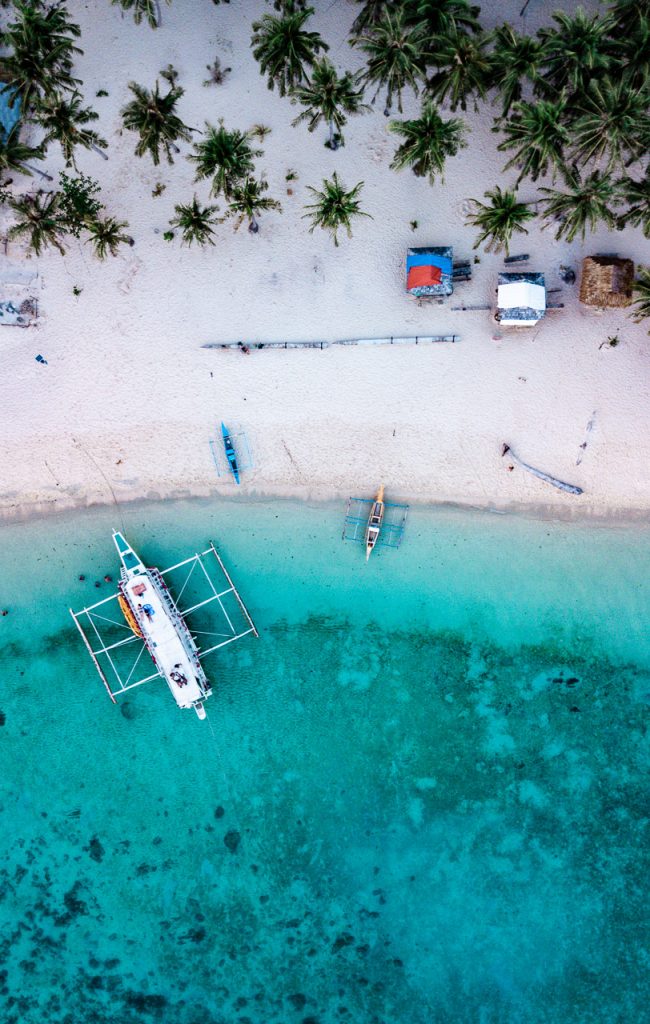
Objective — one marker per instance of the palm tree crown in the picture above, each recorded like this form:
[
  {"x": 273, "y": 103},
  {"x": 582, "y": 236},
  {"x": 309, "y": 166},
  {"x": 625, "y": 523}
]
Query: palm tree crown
[
  {"x": 106, "y": 235},
  {"x": 39, "y": 221},
  {"x": 464, "y": 68},
  {"x": 537, "y": 133},
  {"x": 515, "y": 58},
  {"x": 500, "y": 219},
  {"x": 154, "y": 118},
  {"x": 637, "y": 196},
  {"x": 14, "y": 154},
  {"x": 283, "y": 48},
  {"x": 642, "y": 294},
  {"x": 334, "y": 207},
  {"x": 395, "y": 52},
  {"x": 65, "y": 121},
  {"x": 583, "y": 205},
  {"x": 147, "y": 10},
  {"x": 195, "y": 222},
  {"x": 443, "y": 16},
  {"x": 326, "y": 97},
  {"x": 612, "y": 121},
  {"x": 41, "y": 49},
  {"x": 575, "y": 51},
  {"x": 428, "y": 142},
  {"x": 225, "y": 156},
  {"x": 247, "y": 200}
]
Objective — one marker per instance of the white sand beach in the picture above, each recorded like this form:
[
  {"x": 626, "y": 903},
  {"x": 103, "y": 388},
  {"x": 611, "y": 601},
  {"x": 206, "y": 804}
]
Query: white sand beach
[{"x": 129, "y": 398}]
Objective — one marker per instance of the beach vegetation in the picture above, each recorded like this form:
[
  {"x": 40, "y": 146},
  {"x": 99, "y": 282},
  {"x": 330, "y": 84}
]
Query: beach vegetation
[
  {"x": 106, "y": 235},
  {"x": 428, "y": 141},
  {"x": 283, "y": 48},
  {"x": 248, "y": 200},
  {"x": 575, "y": 51},
  {"x": 642, "y": 295},
  {"x": 499, "y": 219},
  {"x": 224, "y": 155},
  {"x": 515, "y": 61},
  {"x": 154, "y": 118},
  {"x": 636, "y": 195},
  {"x": 195, "y": 222},
  {"x": 78, "y": 203},
  {"x": 65, "y": 120},
  {"x": 583, "y": 204},
  {"x": 610, "y": 123},
  {"x": 14, "y": 154},
  {"x": 443, "y": 16},
  {"x": 143, "y": 10},
  {"x": 331, "y": 99},
  {"x": 217, "y": 74},
  {"x": 539, "y": 135},
  {"x": 464, "y": 68},
  {"x": 41, "y": 51},
  {"x": 395, "y": 55},
  {"x": 260, "y": 131},
  {"x": 334, "y": 207},
  {"x": 38, "y": 221}
]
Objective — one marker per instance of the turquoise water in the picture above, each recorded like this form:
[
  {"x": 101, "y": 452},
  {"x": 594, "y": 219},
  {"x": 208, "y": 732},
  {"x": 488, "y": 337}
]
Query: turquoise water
[{"x": 420, "y": 796}]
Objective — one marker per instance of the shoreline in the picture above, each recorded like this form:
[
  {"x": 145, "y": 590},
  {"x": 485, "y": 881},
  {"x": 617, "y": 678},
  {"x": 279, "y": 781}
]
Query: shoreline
[{"x": 608, "y": 518}]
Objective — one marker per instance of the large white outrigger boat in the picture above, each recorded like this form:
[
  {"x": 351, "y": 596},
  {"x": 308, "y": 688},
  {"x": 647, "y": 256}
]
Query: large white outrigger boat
[{"x": 153, "y": 617}]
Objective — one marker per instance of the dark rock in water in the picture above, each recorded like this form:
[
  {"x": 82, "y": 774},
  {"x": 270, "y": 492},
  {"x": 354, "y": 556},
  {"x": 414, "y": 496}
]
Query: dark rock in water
[
  {"x": 127, "y": 711},
  {"x": 111, "y": 964},
  {"x": 344, "y": 939},
  {"x": 297, "y": 1000},
  {"x": 73, "y": 904},
  {"x": 96, "y": 850},
  {"x": 310, "y": 1020},
  {"x": 145, "y": 1003},
  {"x": 219, "y": 812},
  {"x": 3, "y": 718},
  {"x": 232, "y": 839}
]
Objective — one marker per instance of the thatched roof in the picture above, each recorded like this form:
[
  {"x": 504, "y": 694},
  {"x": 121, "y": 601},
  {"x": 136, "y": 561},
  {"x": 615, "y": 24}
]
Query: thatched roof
[{"x": 606, "y": 281}]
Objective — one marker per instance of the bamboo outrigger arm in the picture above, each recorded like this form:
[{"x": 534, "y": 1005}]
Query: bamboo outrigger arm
[{"x": 92, "y": 655}]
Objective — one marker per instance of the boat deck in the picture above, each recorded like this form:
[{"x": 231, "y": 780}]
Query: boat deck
[{"x": 163, "y": 640}]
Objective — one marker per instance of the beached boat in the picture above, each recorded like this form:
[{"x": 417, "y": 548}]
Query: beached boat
[
  {"x": 152, "y": 613},
  {"x": 231, "y": 455},
  {"x": 374, "y": 522}
]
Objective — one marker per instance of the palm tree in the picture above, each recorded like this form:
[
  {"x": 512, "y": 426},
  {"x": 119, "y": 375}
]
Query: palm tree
[
  {"x": 195, "y": 222},
  {"x": 631, "y": 52},
  {"x": 464, "y": 68},
  {"x": 334, "y": 207},
  {"x": 107, "y": 235},
  {"x": 149, "y": 10},
  {"x": 575, "y": 51},
  {"x": 500, "y": 219},
  {"x": 247, "y": 200},
  {"x": 442, "y": 16},
  {"x": 538, "y": 135},
  {"x": 154, "y": 118},
  {"x": 628, "y": 15},
  {"x": 39, "y": 221},
  {"x": 582, "y": 206},
  {"x": 642, "y": 294},
  {"x": 225, "y": 156},
  {"x": 326, "y": 97},
  {"x": 637, "y": 196},
  {"x": 283, "y": 48},
  {"x": 515, "y": 58},
  {"x": 611, "y": 120},
  {"x": 372, "y": 12},
  {"x": 41, "y": 51},
  {"x": 395, "y": 52},
  {"x": 65, "y": 121},
  {"x": 14, "y": 154},
  {"x": 428, "y": 142}
]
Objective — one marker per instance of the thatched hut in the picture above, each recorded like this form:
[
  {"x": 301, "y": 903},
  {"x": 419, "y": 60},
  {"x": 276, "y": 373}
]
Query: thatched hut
[{"x": 606, "y": 281}]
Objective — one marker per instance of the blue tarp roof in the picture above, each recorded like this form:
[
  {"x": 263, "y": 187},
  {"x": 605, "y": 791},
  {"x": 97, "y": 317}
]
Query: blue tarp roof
[
  {"x": 9, "y": 112},
  {"x": 439, "y": 280}
]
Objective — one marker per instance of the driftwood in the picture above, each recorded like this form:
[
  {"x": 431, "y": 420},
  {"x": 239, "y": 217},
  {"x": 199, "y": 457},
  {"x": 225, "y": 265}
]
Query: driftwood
[{"x": 571, "y": 488}]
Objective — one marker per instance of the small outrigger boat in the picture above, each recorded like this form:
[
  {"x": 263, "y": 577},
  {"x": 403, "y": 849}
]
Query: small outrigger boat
[
  {"x": 374, "y": 522},
  {"x": 231, "y": 455}
]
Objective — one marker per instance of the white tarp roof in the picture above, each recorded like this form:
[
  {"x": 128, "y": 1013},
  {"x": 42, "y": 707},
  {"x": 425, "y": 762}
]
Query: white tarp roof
[{"x": 520, "y": 295}]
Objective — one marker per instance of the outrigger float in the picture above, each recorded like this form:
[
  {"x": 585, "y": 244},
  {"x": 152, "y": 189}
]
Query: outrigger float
[{"x": 153, "y": 618}]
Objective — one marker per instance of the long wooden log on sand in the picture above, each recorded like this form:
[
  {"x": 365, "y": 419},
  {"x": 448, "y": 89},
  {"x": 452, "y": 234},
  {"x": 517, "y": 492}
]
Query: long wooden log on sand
[{"x": 571, "y": 488}]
